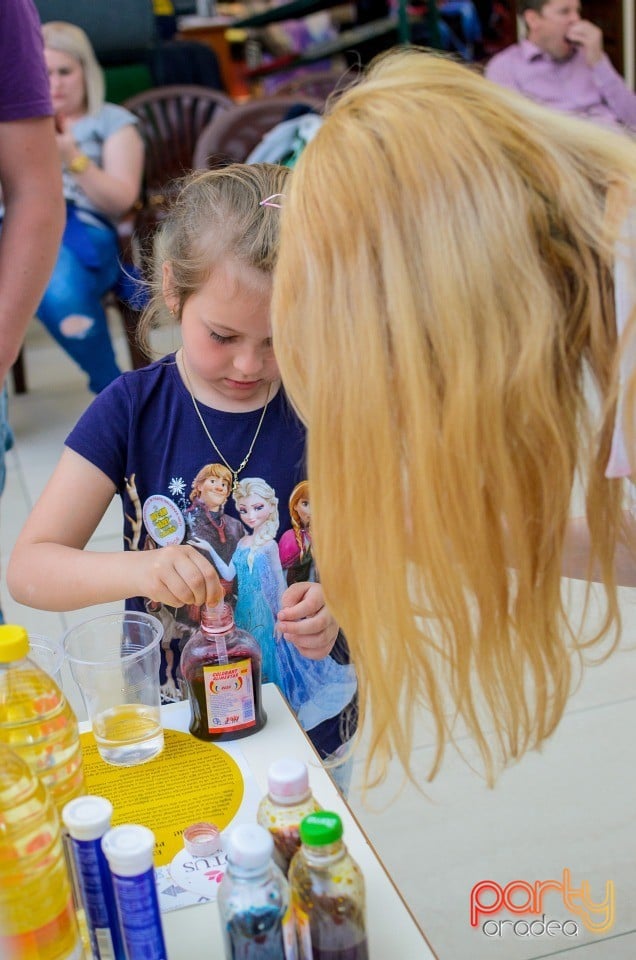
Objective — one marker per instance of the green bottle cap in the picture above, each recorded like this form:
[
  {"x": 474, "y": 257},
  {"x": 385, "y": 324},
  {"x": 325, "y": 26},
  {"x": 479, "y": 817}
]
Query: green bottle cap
[
  {"x": 14, "y": 643},
  {"x": 321, "y": 828}
]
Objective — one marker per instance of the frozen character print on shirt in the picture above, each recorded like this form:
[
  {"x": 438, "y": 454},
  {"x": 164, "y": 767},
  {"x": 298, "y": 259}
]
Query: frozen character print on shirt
[
  {"x": 213, "y": 532},
  {"x": 315, "y": 689},
  {"x": 294, "y": 545},
  {"x": 261, "y": 583}
]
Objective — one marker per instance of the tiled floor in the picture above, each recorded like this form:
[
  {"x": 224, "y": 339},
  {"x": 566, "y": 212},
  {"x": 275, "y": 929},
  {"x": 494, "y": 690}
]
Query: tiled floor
[{"x": 571, "y": 806}]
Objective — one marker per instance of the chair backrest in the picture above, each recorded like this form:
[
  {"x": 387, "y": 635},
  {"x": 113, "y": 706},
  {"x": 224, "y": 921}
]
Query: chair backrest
[
  {"x": 232, "y": 135},
  {"x": 121, "y": 31},
  {"x": 171, "y": 119}
]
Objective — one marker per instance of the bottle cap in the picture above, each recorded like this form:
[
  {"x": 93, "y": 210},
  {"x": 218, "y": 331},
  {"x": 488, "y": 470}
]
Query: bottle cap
[
  {"x": 217, "y": 619},
  {"x": 14, "y": 643},
  {"x": 250, "y": 846},
  {"x": 320, "y": 829},
  {"x": 202, "y": 839},
  {"x": 87, "y": 818},
  {"x": 288, "y": 780},
  {"x": 129, "y": 849}
]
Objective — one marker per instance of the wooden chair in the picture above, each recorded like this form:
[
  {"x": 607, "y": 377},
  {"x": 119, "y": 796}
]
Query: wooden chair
[
  {"x": 171, "y": 119},
  {"x": 231, "y": 136}
]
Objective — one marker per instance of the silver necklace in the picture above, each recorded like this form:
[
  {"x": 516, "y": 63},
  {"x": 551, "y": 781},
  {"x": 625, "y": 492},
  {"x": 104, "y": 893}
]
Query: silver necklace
[{"x": 243, "y": 463}]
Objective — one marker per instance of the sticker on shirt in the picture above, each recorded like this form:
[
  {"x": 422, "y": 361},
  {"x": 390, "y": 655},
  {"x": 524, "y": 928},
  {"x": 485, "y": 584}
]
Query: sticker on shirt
[{"x": 163, "y": 520}]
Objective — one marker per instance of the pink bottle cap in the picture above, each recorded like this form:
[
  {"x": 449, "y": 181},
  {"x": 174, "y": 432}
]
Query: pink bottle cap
[
  {"x": 288, "y": 781},
  {"x": 202, "y": 839}
]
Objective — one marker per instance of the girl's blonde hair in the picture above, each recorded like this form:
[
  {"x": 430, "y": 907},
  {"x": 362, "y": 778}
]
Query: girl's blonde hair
[
  {"x": 216, "y": 215},
  {"x": 69, "y": 39},
  {"x": 444, "y": 285},
  {"x": 257, "y": 487}
]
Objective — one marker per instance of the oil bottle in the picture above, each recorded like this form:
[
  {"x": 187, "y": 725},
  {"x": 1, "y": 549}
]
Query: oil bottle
[
  {"x": 37, "y": 921},
  {"x": 36, "y": 719}
]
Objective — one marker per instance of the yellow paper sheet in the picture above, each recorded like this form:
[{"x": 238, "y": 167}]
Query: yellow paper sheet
[{"x": 190, "y": 782}]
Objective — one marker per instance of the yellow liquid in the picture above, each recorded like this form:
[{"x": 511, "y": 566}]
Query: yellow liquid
[
  {"x": 36, "y": 917},
  {"x": 36, "y": 720},
  {"x": 128, "y": 734}
]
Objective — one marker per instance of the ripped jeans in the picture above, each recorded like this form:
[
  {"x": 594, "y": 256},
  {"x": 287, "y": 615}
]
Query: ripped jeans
[{"x": 71, "y": 308}]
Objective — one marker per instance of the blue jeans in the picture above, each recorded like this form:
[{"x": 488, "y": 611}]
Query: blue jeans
[
  {"x": 6, "y": 435},
  {"x": 75, "y": 290}
]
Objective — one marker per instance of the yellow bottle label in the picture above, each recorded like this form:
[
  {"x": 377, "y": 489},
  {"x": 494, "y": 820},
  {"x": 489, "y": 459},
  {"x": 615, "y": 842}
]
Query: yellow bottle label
[{"x": 229, "y": 696}]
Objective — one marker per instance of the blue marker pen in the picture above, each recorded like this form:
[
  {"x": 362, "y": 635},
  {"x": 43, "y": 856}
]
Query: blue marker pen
[
  {"x": 87, "y": 819},
  {"x": 129, "y": 851}
]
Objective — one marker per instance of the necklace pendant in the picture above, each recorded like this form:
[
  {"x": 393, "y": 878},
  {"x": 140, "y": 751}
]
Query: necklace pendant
[{"x": 235, "y": 481}]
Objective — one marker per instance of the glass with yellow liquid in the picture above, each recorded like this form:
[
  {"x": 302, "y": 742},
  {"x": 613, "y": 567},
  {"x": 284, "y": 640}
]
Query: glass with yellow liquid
[{"x": 114, "y": 660}]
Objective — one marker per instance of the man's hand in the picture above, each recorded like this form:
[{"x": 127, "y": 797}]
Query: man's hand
[{"x": 590, "y": 38}]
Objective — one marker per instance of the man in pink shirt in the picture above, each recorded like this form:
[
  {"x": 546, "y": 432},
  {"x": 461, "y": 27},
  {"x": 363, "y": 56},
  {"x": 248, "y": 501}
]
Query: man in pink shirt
[{"x": 561, "y": 64}]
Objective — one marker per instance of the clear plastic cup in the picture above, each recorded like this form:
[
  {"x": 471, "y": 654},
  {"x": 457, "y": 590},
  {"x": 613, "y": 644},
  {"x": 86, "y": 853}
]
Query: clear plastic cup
[
  {"x": 114, "y": 659},
  {"x": 48, "y": 653}
]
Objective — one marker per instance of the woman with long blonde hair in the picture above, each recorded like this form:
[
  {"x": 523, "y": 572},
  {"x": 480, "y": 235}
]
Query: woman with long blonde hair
[{"x": 443, "y": 309}]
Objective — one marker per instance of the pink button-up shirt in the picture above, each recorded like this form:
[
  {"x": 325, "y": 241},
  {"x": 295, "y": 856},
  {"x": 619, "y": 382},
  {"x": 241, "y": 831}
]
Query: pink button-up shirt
[{"x": 598, "y": 93}]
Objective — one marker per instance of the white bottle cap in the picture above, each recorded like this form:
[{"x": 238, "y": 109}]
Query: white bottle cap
[
  {"x": 129, "y": 849},
  {"x": 288, "y": 781},
  {"x": 250, "y": 846},
  {"x": 87, "y": 818}
]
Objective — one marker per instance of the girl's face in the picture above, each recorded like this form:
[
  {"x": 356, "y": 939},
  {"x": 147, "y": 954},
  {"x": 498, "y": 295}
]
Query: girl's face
[
  {"x": 66, "y": 80},
  {"x": 227, "y": 340},
  {"x": 254, "y": 511},
  {"x": 214, "y": 491},
  {"x": 304, "y": 512}
]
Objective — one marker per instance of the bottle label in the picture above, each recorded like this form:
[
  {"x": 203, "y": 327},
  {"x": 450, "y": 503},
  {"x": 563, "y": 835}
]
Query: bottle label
[
  {"x": 138, "y": 909},
  {"x": 303, "y": 932},
  {"x": 229, "y": 696}
]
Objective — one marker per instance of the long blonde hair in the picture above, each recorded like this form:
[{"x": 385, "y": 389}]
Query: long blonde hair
[{"x": 444, "y": 283}]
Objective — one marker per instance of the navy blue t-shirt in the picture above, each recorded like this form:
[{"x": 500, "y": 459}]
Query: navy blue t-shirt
[{"x": 143, "y": 432}]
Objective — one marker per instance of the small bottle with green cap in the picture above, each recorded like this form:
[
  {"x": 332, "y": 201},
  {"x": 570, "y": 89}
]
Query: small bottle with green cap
[
  {"x": 36, "y": 719},
  {"x": 327, "y": 893}
]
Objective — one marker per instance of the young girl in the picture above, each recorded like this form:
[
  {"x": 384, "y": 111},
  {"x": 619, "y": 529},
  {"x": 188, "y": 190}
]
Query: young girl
[{"x": 149, "y": 435}]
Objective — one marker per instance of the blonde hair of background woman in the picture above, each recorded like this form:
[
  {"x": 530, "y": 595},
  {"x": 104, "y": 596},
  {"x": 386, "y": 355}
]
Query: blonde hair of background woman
[
  {"x": 67, "y": 38},
  {"x": 443, "y": 282}
]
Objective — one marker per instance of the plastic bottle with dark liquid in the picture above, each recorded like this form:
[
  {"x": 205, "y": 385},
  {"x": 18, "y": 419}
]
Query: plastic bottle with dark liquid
[
  {"x": 221, "y": 667},
  {"x": 253, "y": 900},
  {"x": 287, "y": 801},
  {"x": 327, "y": 893}
]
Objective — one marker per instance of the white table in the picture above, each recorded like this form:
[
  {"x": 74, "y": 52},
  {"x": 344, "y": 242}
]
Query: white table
[{"x": 194, "y": 933}]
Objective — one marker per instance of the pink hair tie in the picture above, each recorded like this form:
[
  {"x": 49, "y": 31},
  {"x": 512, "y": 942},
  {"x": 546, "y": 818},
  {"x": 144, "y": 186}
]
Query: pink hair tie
[{"x": 267, "y": 202}]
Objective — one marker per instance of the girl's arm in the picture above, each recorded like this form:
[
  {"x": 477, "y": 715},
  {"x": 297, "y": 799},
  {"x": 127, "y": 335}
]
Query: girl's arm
[
  {"x": 49, "y": 568},
  {"x": 114, "y": 186}
]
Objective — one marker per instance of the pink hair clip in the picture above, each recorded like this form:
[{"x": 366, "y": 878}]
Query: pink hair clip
[{"x": 267, "y": 202}]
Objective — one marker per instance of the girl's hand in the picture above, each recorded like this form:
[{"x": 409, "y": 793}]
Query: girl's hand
[
  {"x": 305, "y": 621},
  {"x": 176, "y": 576}
]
